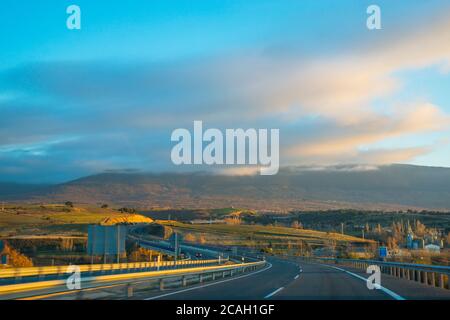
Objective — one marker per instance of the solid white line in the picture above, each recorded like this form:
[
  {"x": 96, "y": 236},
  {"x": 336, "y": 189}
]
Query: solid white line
[
  {"x": 209, "y": 284},
  {"x": 273, "y": 293},
  {"x": 296, "y": 277},
  {"x": 385, "y": 290}
]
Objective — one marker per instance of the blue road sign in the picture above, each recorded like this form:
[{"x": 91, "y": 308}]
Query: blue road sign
[{"x": 383, "y": 252}]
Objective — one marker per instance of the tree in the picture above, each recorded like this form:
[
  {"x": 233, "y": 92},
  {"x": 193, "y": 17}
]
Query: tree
[
  {"x": 16, "y": 259},
  {"x": 378, "y": 230},
  {"x": 69, "y": 204},
  {"x": 420, "y": 229},
  {"x": 189, "y": 237},
  {"x": 202, "y": 239},
  {"x": 392, "y": 243},
  {"x": 104, "y": 206},
  {"x": 296, "y": 225},
  {"x": 233, "y": 220}
]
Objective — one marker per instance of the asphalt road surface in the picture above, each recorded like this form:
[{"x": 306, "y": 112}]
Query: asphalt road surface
[{"x": 293, "y": 280}]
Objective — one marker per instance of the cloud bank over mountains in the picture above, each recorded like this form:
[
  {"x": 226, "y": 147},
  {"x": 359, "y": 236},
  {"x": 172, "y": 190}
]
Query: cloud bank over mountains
[{"x": 67, "y": 118}]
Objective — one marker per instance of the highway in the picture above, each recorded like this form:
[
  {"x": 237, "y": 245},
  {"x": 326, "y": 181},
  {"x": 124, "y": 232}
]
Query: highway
[
  {"x": 299, "y": 280},
  {"x": 284, "y": 279}
]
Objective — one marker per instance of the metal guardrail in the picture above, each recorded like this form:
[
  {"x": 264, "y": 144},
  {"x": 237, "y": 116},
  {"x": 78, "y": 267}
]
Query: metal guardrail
[
  {"x": 52, "y": 270},
  {"x": 58, "y": 287},
  {"x": 436, "y": 276},
  {"x": 200, "y": 249}
]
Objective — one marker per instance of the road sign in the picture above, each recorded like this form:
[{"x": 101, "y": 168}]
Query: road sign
[
  {"x": 106, "y": 240},
  {"x": 383, "y": 252}
]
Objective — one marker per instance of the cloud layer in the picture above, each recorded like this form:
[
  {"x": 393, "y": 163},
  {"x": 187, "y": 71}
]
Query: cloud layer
[{"x": 82, "y": 117}]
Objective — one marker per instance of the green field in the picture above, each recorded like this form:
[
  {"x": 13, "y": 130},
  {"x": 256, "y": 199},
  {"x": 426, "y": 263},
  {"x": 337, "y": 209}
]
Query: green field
[
  {"x": 32, "y": 219},
  {"x": 260, "y": 236}
]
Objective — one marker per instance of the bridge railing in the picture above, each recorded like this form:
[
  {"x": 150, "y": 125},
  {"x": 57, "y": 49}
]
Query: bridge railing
[
  {"x": 179, "y": 277},
  {"x": 437, "y": 276},
  {"x": 121, "y": 267}
]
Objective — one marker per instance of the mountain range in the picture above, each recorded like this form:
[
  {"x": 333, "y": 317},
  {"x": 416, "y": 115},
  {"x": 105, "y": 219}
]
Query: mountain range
[{"x": 389, "y": 187}]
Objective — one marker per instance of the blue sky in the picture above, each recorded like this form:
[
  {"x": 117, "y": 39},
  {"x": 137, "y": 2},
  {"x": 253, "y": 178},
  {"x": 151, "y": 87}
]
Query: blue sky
[{"x": 107, "y": 97}]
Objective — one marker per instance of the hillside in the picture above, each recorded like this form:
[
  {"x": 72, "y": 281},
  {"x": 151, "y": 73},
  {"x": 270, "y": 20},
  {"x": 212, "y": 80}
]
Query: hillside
[
  {"x": 385, "y": 188},
  {"x": 260, "y": 236},
  {"x": 59, "y": 219}
]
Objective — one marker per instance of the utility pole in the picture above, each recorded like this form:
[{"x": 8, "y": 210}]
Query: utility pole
[
  {"x": 118, "y": 243},
  {"x": 104, "y": 246},
  {"x": 3, "y": 206},
  {"x": 176, "y": 246},
  {"x": 342, "y": 228}
]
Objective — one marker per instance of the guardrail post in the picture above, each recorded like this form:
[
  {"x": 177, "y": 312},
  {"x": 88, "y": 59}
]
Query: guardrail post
[
  {"x": 213, "y": 276},
  {"x": 184, "y": 281},
  {"x": 223, "y": 274},
  {"x": 441, "y": 280},
  {"x": 161, "y": 284},
  {"x": 129, "y": 290},
  {"x": 419, "y": 276},
  {"x": 200, "y": 278},
  {"x": 433, "y": 279},
  {"x": 425, "y": 277}
]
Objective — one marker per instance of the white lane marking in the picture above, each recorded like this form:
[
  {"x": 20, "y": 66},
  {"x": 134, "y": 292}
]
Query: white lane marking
[
  {"x": 296, "y": 277},
  {"x": 385, "y": 290},
  {"x": 273, "y": 293},
  {"x": 209, "y": 284}
]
